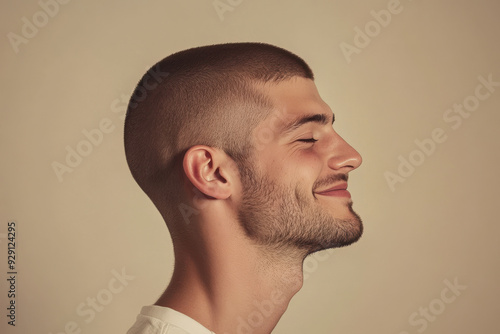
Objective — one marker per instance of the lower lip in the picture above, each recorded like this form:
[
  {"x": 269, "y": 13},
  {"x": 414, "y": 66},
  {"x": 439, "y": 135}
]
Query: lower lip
[{"x": 337, "y": 193}]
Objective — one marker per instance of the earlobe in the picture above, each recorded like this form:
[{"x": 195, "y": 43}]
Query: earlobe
[{"x": 204, "y": 167}]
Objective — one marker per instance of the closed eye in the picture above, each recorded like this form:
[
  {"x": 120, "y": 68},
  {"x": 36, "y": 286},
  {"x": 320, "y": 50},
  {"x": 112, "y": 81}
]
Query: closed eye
[{"x": 308, "y": 140}]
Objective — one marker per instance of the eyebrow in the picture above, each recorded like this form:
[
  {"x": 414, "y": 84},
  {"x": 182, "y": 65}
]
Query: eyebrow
[{"x": 314, "y": 118}]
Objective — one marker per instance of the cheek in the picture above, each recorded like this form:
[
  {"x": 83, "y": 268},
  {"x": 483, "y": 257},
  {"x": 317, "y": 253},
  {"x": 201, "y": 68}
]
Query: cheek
[
  {"x": 305, "y": 166},
  {"x": 308, "y": 159}
]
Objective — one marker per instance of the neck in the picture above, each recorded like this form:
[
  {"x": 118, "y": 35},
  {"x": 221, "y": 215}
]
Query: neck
[{"x": 230, "y": 285}]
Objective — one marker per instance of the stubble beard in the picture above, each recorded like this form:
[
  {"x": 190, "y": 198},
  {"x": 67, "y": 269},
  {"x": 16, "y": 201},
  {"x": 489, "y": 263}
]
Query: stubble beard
[{"x": 284, "y": 217}]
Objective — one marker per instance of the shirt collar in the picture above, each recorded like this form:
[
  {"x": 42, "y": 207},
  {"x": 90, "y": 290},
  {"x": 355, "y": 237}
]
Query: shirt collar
[{"x": 176, "y": 318}]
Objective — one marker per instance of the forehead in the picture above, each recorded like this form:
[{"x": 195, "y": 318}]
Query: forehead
[{"x": 291, "y": 100}]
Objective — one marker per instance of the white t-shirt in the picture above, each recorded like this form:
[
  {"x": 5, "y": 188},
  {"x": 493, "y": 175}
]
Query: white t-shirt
[{"x": 155, "y": 319}]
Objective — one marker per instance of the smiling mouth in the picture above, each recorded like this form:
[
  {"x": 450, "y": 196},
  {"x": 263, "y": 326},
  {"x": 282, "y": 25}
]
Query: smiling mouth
[
  {"x": 339, "y": 190},
  {"x": 336, "y": 193}
]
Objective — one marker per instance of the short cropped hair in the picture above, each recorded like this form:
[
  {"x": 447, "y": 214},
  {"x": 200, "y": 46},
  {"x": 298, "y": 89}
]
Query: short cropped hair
[{"x": 201, "y": 96}]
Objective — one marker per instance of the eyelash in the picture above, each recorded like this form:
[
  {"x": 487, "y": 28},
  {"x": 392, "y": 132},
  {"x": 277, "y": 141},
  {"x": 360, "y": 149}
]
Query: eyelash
[{"x": 308, "y": 140}]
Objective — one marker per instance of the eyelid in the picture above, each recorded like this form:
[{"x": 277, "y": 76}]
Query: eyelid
[{"x": 308, "y": 140}]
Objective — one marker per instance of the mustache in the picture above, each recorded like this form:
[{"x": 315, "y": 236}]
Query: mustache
[{"x": 330, "y": 179}]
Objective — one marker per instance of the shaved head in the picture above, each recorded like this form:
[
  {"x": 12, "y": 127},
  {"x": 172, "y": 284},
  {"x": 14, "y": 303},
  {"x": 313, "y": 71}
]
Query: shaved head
[{"x": 209, "y": 95}]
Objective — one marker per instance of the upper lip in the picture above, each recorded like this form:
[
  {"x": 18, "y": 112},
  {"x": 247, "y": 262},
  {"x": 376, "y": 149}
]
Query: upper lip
[{"x": 340, "y": 186}]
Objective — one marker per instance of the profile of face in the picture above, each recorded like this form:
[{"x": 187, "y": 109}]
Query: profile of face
[{"x": 294, "y": 184}]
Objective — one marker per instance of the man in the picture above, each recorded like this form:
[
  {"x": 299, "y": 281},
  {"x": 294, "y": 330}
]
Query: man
[{"x": 236, "y": 149}]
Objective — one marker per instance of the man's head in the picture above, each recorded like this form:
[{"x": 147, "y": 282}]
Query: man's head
[{"x": 239, "y": 102}]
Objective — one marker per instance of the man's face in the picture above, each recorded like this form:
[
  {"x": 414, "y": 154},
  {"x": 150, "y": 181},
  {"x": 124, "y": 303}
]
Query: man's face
[{"x": 294, "y": 184}]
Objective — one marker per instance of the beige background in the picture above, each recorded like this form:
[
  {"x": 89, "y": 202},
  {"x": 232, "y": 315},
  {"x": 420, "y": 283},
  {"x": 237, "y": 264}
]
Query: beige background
[{"x": 440, "y": 224}]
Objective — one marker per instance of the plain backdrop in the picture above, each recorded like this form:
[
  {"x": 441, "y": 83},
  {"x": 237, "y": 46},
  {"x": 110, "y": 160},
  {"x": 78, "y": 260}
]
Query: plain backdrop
[{"x": 429, "y": 205}]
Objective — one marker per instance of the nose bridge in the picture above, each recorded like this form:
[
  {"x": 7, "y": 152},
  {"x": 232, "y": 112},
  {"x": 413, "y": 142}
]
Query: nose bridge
[{"x": 341, "y": 154}]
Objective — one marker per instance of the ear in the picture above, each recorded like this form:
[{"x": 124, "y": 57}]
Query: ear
[{"x": 210, "y": 170}]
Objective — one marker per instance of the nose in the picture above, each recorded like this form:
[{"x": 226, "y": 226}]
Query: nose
[{"x": 342, "y": 155}]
